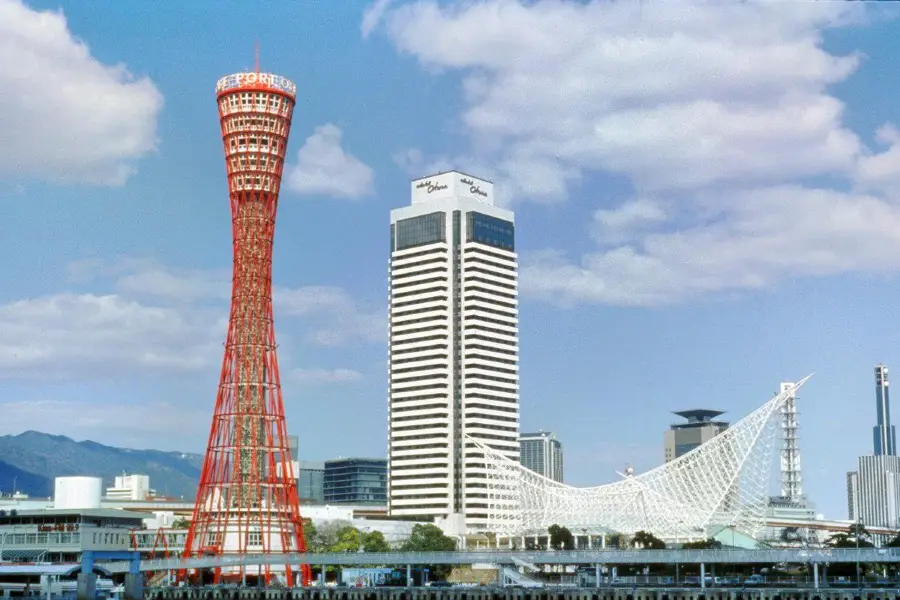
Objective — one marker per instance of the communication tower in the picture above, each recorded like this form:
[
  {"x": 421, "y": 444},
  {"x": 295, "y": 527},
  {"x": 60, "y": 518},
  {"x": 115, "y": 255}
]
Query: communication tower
[{"x": 247, "y": 500}]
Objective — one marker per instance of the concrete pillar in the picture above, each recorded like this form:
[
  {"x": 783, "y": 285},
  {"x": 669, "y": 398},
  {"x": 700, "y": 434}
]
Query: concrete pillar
[
  {"x": 597, "y": 575},
  {"x": 589, "y": 542},
  {"x": 409, "y": 580},
  {"x": 134, "y": 586},
  {"x": 603, "y": 541},
  {"x": 702, "y": 575},
  {"x": 816, "y": 575},
  {"x": 87, "y": 586}
]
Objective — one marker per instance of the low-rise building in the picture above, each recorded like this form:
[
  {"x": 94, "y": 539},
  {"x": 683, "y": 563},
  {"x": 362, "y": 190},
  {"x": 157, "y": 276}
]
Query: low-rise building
[{"x": 63, "y": 535}]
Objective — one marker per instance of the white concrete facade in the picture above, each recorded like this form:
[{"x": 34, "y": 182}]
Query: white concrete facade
[
  {"x": 453, "y": 354},
  {"x": 130, "y": 487},
  {"x": 874, "y": 491}
]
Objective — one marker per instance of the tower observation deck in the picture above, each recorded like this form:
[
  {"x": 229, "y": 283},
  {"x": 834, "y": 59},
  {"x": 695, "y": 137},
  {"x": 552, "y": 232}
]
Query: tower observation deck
[{"x": 247, "y": 500}]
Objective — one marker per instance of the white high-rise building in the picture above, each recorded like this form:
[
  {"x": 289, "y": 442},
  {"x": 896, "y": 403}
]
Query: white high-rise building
[{"x": 454, "y": 349}]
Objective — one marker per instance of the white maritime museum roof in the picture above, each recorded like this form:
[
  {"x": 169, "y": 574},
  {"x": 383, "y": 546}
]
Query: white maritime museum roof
[{"x": 722, "y": 483}]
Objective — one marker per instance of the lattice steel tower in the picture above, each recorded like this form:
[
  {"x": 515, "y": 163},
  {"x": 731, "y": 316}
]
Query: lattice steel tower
[
  {"x": 791, "y": 474},
  {"x": 247, "y": 500}
]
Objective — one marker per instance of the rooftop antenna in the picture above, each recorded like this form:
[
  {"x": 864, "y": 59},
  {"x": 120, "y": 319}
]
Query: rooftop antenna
[{"x": 257, "y": 56}]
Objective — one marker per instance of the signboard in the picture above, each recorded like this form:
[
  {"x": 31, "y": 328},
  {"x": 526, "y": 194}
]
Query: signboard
[
  {"x": 452, "y": 185},
  {"x": 257, "y": 80}
]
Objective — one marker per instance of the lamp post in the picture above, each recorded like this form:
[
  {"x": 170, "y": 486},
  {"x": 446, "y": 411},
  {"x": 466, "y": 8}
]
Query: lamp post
[
  {"x": 677, "y": 533},
  {"x": 858, "y": 574}
]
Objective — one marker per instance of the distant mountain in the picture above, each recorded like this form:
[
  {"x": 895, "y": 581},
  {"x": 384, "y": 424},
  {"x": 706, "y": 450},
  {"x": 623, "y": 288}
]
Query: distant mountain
[
  {"x": 33, "y": 459},
  {"x": 12, "y": 478}
]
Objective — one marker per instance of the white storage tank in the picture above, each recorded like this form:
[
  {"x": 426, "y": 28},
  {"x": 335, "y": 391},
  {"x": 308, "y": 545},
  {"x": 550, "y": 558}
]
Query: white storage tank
[{"x": 77, "y": 492}]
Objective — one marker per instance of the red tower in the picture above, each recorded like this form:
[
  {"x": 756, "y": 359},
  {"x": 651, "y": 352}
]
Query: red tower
[{"x": 247, "y": 500}]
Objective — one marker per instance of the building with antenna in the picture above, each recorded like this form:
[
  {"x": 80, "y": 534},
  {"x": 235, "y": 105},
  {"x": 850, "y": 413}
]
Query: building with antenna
[
  {"x": 883, "y": 435},
  {"x": 873, "y": 490}
]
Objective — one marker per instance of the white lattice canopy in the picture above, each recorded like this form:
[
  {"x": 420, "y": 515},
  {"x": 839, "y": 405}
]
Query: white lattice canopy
[{"x": 722, "y": 483}]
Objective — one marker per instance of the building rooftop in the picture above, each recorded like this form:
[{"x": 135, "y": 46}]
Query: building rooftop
[
  {"x": 699, "y": 415},
  {"x": 96, "y": 513},
  {"x": 62, "y": 570},
  {"x": 537, "y": 435}
]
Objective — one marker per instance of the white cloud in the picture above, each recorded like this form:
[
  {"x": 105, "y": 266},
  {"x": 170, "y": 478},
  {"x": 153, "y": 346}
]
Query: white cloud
[
  {"x": 751, "y": 241},
  {"x": 881, "y": 170},
  {"x": 73, "y": 334},
  {"x": 137, "y": 425},
  {"x": 324, "y": 376},
  {"x": 64, "y": 115},
  {"x": 373, "y": 15},
  {"x": 719, "y": 117},
  {"x": 623, "y": 223},
  {"x": 344, "y": 320},
  {"x": 324, "y": 168},
  {"x": 153, "y": 319}
]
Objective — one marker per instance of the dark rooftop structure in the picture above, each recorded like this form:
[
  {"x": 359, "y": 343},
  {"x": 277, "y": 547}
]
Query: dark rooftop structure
[{"x": 698, "y": 417}]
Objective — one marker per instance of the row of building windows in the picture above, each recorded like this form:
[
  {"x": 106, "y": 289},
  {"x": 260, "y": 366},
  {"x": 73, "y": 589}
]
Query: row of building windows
[
  {"x": 254, "y": 102},
  {"x": 254, "y": 162},
  {"x": 485, "y": 229},
  {"x": 424, "y": 229},
  {"x": 246, "y": 182},
  {"x": 253, "y": 144},
  {"x": 255, "y": 123}
]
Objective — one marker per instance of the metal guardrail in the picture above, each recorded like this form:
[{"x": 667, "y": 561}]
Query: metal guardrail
[{"x": 565, "y": 557}]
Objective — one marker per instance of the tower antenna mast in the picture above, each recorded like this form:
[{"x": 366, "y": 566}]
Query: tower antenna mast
[{"x": 257, "y": 56}]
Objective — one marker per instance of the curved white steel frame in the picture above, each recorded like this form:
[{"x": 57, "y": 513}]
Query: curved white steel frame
[{"x": 722, "y": 483}]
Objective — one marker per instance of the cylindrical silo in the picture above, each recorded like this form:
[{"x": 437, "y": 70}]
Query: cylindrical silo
[{"x": 77, "y": 492}]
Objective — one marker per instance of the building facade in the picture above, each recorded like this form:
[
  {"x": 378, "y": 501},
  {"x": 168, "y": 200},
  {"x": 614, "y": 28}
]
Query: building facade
[
  {"x": 542, "y": 453},
  {"x": 311, "y": 480},
  {"x": 701, "y": 427},
  {"x": 883, "y": 435},
  {"x": 877, "y": 483},
  {"x": 356, "y": 481},
  {"x": 453, "y": 348},
  {"x": 130, "y": 487},
  {"x": 873, "y": 490}
]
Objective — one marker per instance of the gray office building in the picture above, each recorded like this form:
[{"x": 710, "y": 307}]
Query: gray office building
[
  {"x": 356, "y": 481},
  {"x": 873, "y": 490},
  {"x": 700, "y": 427},
  {"x": 542, "y": 453},
  {"x": 311, "y": 481}
]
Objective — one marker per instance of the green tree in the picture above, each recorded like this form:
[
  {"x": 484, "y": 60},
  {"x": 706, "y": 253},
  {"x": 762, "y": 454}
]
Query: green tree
[
  {"x": 645, "y": 539},
  {"x": 561, "y": 538},
  {"x": 309, "y": 533},
  {"x": 895, "y": 542},
  {"x": 348, "y": 540},
  {"x": 858, "y": 530},
  {"x": 181, "y": 523},
  {"x": 707, "y": 544},
  {"x": 373, "y": 541},
  {"x": 844, "y": 540},
  {"x": 428, "y": 538}
]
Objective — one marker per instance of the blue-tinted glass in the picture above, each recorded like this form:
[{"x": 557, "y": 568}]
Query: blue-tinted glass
[
  {"x": 490, "y": 231},
  {"x": 417, "y": 231}
]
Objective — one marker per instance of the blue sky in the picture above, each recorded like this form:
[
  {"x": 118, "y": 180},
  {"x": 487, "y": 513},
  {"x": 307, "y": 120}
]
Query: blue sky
[{"x": 707, "y": 200}]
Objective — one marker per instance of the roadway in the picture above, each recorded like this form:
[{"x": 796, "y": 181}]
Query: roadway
[{"x": 567, "y": 557}]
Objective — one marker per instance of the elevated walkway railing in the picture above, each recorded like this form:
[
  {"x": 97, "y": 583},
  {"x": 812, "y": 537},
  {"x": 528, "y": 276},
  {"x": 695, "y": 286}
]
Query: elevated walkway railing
[
  {"x": 520, "y": 562},
  {"x": 510, "y": 576},
  {"x": 568, "y": 557}
]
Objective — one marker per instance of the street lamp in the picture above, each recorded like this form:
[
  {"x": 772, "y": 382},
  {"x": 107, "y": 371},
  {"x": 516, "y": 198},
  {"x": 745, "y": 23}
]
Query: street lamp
[{"x": 677, "y": 532}]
